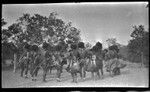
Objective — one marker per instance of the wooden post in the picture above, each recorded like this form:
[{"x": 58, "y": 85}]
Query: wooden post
[
  {"x": 15, "y": 62},
  {"x": 142, "y": 63}
]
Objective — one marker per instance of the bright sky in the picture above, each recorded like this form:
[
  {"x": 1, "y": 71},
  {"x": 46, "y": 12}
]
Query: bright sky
[{"x": 97, "y": 21}]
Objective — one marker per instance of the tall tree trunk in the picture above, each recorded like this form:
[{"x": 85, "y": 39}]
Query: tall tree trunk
[{"x": 15, "y": 62}]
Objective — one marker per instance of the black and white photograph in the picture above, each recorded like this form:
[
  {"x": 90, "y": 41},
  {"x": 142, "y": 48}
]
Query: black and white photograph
[{"x": 85, "y": 44}]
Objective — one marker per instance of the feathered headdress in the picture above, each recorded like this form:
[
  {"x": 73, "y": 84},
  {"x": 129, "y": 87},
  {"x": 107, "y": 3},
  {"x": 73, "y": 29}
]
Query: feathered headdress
[
  {"x": 73, "y": 46},
  {"x": 81, "y": 45}
]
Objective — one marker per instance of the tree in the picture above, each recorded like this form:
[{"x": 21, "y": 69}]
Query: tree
[
  {"x": 113, "y": 45},
  {"x": 138, "y": 45},
  {"x": 111, "y": 41},
  {"x": 9, "y": 50},
  {"x": 123, "y": 52},
  {"x": 114, "y": 48},
  {"x": 37, "y": 29},
  {"x": 51, "y": 29},
  {"x": 5, "y": 33},
  {"x": 3, "y": 22},
  {"x": 32, "y": 28}
]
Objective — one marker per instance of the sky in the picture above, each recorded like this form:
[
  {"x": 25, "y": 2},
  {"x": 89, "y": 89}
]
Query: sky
[{"x": 97, "y": 21}]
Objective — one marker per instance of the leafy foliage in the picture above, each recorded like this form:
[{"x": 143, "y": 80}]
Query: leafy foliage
[
  {"x": 114, "y": 48},
  {"x": 3, "y": 22},
  {"x": 111, "y": 41},
  {"x": 38, "y": 29},
  {"x": 138, "y": 44}
]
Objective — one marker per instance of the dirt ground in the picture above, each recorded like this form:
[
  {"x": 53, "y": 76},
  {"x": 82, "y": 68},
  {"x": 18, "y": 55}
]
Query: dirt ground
[{"x": 130, "y": 77}]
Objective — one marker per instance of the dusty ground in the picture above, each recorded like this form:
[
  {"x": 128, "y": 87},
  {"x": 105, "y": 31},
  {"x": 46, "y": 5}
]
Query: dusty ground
[{"x": 131, "y": 76}]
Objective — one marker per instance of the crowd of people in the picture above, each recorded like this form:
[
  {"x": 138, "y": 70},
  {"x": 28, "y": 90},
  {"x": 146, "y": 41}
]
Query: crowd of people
[{"x": 78, "y": 59}]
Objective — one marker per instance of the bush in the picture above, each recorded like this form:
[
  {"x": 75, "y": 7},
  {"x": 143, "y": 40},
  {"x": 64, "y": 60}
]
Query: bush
[{"x": 134, "y": 58}]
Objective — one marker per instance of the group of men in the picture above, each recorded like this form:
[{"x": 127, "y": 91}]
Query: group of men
[
  {"x": 33, "y": 58},
  {"x": 28, "y": 61}
]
